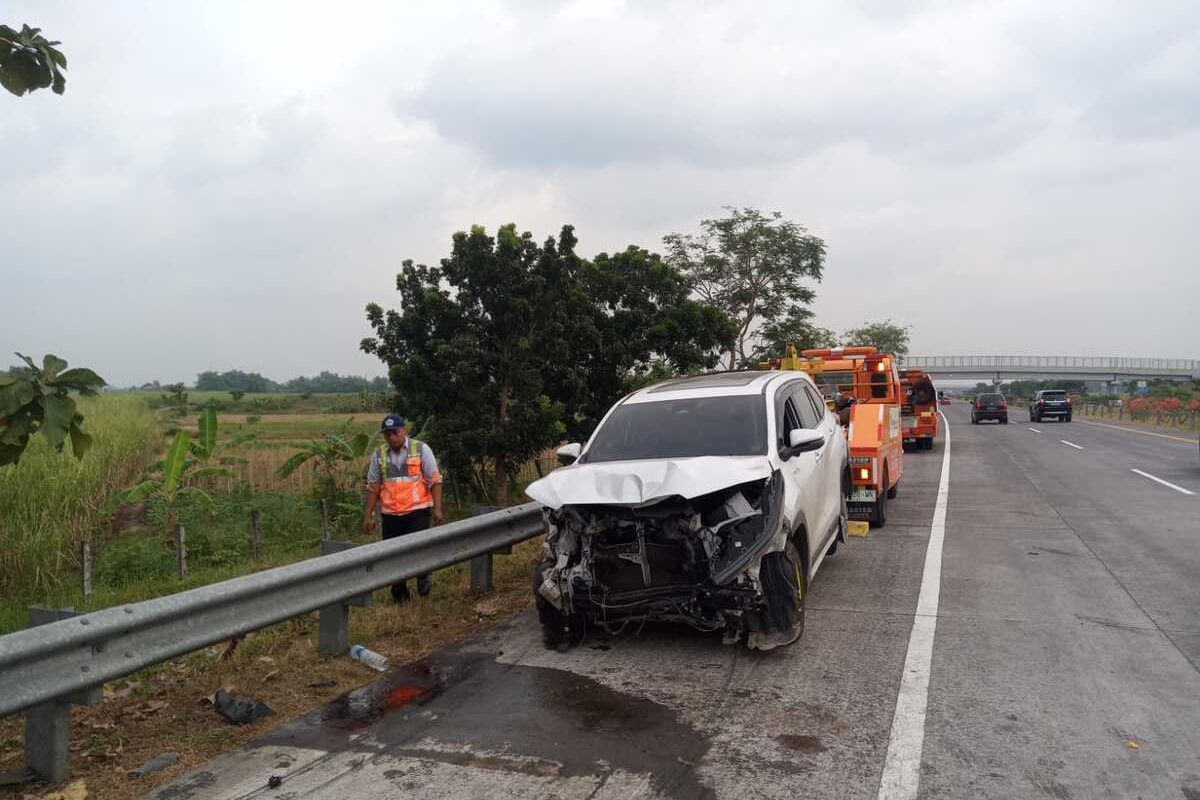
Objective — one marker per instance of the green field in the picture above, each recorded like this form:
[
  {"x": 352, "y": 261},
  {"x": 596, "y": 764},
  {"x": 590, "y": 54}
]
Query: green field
[{"x": 53, "y": 501}]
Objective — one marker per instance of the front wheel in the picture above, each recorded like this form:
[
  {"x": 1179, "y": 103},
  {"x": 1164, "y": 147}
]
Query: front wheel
[
  {"x": 786, "y": 592},
  {"x": 878, "y": 516},
  {"x": 1068, "y": 418},
  {"x": 559, "y": 630}
]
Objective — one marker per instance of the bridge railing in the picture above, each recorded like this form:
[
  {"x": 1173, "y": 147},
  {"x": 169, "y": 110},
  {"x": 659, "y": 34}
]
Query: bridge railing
[{"x": 1103, "y": 363}]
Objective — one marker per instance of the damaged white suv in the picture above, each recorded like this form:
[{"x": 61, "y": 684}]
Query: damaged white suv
[{"x": 710, "y": 500}]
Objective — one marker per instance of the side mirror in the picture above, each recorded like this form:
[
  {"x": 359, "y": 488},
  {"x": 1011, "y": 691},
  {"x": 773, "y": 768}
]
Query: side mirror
[
  {"x": 568, "y": 453},
  {"x": 802, "y": 440}
]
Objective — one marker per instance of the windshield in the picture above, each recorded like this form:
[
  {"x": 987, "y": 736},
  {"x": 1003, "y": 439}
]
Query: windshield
[
  {"x": 833, "y": 383},
  {"x": 697, "y": 426},
  {"x": 1054, "y": 395}
]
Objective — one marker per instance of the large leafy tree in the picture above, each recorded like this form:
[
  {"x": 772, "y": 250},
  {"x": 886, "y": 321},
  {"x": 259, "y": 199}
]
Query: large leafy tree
[
  {"x": 752, "y": 266},
  {"x": 638, "y": 322},
  {"x": 29, "y": 62},
  {"x": 797, "y": 329},
  {"x": 509, "y": 345},
  {"x": 886, "y": 336},
  {"x": 474, "y": 360}
]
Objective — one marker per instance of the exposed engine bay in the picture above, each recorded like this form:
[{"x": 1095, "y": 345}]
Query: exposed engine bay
[{"x": 720, "y": 561}]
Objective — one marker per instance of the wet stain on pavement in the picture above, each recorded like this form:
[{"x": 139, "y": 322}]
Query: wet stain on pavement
[
  {"x": 537, "y": 721},
  {"x": 193, "y": 786},
  {"x": 801, "y": 743}
]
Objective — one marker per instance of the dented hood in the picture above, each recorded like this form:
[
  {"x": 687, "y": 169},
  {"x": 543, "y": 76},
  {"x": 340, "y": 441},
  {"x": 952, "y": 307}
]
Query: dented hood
[{"x": 632, "y": 483}]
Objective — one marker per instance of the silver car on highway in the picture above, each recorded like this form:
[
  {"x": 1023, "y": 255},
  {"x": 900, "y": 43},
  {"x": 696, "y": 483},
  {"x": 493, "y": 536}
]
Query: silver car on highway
[{"x": 710, "y": 500}]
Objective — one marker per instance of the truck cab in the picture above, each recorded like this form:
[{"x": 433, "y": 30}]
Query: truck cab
[{"x": 863, "y": 387}]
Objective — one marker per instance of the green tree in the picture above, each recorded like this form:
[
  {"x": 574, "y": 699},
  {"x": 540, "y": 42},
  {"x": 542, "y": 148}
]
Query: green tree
[
  {"x": 631, "y": 318},
  {"x": 886, "y": 337},
  {"x": 751, "y": 266},
  {"x": 532, "y": 342},
  {"x": 29, "y": 62},
  {"x": 798, "y": 330},
  {"x": 38, "y": 400},
  {"x": 474, "y": 361}
]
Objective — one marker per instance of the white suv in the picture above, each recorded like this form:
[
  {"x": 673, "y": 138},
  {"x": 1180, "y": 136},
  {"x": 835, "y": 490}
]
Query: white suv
[{"x": 708, "y": 500}]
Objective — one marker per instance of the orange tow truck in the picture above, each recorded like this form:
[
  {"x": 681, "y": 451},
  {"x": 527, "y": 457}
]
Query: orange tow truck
[
  {"x": 862, "y": 386},
  {"x": 919, "y": 413}
]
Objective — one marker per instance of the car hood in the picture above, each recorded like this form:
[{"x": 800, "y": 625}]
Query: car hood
[{"x": 633, "y": 483}]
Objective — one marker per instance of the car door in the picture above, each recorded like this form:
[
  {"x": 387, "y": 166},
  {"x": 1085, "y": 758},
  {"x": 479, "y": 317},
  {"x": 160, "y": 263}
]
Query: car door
[
  {"x": 799, "y": 471},
  {"x": 832, "y": 459}
]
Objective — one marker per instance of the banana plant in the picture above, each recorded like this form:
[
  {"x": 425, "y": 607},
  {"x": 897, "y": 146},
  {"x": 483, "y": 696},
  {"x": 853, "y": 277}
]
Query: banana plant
[
  {"x": 38, "y": 400},
  {"x": 179, "y": 469},
  {"x": 331, "y": 453}
]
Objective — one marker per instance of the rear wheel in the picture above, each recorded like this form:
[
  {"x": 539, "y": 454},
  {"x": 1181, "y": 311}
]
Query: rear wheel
[
  {"x": 927, "y": 443},
  {"x": 786, "y": 591},
  {"x": 878, "y": 517}
]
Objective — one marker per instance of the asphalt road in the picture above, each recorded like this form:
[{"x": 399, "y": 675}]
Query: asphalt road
[{"x": 1056, "y": 654}]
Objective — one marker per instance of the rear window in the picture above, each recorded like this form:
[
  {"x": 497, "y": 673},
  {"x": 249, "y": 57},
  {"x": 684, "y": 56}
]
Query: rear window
[
  {"x": 733, "y": 425},
  {"x": 1054, "y": 395},
  {"x": 991, "y": 396}
]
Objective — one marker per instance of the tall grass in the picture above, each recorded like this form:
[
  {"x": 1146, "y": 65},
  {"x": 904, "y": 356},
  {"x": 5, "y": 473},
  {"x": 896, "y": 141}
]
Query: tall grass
[{"x": 50, "y": 501}]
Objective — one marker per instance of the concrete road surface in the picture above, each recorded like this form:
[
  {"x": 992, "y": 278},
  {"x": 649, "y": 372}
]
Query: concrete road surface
[{"x": 1056, "y": 654}]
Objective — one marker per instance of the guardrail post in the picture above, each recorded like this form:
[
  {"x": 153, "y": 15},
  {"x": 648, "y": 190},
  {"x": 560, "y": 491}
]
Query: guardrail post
[
  {"x": 481, "y": 565},
  {"x": 324, "y": 519},
  {"x": 48, "y": 726},
  {"x": 255, "y": 535},
  {"x": 85, "y": 566},
  {"x": 333, "y": 633},
  {"x": 181, "y": 550}
]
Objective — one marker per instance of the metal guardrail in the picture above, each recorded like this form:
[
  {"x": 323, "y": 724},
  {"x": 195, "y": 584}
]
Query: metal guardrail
[
  {"x": 50, "y": 663},
  {"x": 1103, "y": 363}
]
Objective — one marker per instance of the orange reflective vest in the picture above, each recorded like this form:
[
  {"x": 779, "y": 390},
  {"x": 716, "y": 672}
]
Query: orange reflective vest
[{"x": 401, "y": 494}]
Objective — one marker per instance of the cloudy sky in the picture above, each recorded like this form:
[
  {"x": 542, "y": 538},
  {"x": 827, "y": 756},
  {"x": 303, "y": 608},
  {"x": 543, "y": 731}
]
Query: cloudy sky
[{"x": 227, "y": 184}]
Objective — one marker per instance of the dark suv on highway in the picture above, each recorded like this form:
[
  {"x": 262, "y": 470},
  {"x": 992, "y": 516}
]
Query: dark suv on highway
[
  {"x": 990, "y": 405},
  {"x": 1050, "y": 403}
]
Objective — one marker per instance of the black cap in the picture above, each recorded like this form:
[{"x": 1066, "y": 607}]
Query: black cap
[{"x": 391, "y": 422}]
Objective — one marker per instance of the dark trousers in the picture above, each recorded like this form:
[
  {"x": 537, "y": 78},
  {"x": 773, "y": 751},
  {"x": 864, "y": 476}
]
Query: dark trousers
[{"x": 398, "y": 525}]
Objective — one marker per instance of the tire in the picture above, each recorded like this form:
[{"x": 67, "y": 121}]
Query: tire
[
  {"x": 1067, "y": 418},
  {"x": 786, "y": 591},
  {"x": 878, "y": 516},
  {"x": 927, "y": 443},
  {"x": 893, "y": 490},
  {"x": 1034, "y": 418},
  {"x": 558, "y": 629}
]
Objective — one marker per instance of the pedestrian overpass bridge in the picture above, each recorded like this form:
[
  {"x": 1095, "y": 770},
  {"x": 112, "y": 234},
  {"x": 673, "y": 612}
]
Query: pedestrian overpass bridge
[{"x": 1086, "y": 368}]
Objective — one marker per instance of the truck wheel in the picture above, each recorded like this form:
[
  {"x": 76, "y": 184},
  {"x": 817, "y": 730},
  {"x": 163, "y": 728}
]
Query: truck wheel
[
  {"x": 893, "y": 489},
  {"x": 878, "y": 516},
  {"x": 786, "y": 592},
  {"x": 559, "y": 630},
  {"x": 1067, "y": 418},
  {"x": 927, "y": 443}
]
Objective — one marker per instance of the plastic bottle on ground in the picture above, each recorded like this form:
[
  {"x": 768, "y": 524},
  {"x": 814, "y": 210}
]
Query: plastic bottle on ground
[{"x": 369, "y": 657}]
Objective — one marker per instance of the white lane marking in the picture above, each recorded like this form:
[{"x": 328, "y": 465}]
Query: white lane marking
[
  {"x": 902, "y": 769},
  {"x": 1164, "y": 483},
  {"x": 1035, "y": 430},
  {"x": 1070, "y": 444},
  {"x": 1135, "y": 430}
]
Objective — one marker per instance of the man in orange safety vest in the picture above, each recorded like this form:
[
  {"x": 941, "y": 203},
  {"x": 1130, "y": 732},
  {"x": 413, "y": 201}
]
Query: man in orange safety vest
[{"x": 404, "y": 483}]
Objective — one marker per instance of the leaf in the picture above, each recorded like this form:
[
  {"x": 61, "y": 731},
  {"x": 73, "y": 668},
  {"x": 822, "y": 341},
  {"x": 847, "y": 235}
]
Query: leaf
[
  {"x": 11, "y": 453},
  {"x": 241, "y": 439},
  {"x": 80, "y": 441},
  {"x": 132, "y": 495},
  {"x": 173, "y": 464},
  {"x": 76, "y": 790},
  {"x": 210, "y": 472},
  {"x": 293, "y": 463},
  {"x": 208, "y": 431},
  {"x": 360, "y": 444},
  {"x": 230, "y": 460},
  {"x": 51, "y": 366},
  {"x": 203, "y": 495},
  {"x": 15, "y": 395},
  {"x": 60, "y": 412},
  {"x": 80, "y": 379}
]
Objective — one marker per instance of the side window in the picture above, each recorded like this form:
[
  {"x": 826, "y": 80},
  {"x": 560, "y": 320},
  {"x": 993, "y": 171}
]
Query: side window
[
  {"x": 818, "y": 403},
  {"x": 808, "y": 414},
  {"x": 791, "y": 419}
]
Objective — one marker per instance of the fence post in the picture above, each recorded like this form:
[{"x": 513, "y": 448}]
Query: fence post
[
  {"x": 324, "y": 519},
  {"x": 181, "y": 550},
  {"x": 481, "y": 565},
  {"x": 48, "y": 726},
  {"x": 333, "y": 628},
  {"x": 85, "y": 566},
  {"x": 255, "y": 535}
]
